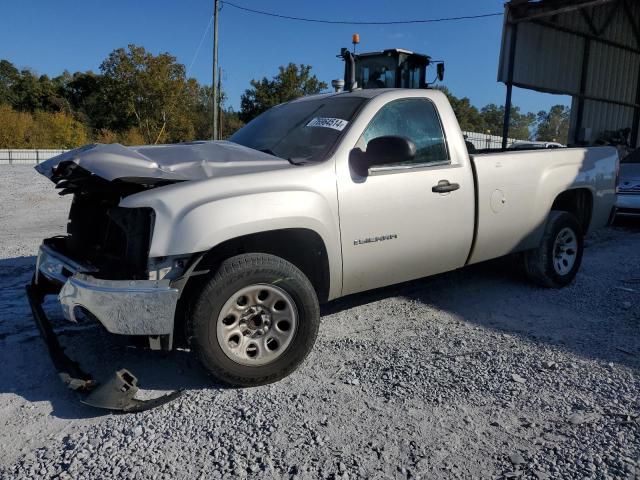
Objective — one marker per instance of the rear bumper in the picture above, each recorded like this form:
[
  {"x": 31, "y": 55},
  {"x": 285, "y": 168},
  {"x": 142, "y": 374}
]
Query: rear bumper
[
  {"x": 628, "y": 204},
  {"x": 124, "y": 307}
]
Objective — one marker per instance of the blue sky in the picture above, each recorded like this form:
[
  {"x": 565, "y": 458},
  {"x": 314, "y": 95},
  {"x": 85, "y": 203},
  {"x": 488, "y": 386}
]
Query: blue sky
[{"x": 51, "y": 36}]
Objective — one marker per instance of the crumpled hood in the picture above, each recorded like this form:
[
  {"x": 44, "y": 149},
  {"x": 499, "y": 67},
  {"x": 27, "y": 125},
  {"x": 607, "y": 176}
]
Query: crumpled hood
[{"x": 183, "y": 161}]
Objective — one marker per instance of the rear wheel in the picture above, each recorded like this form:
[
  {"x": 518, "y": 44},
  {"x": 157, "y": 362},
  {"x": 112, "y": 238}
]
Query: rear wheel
[
  {"x": 556, "y": 261},
  {"x": 255, "y": 321}
]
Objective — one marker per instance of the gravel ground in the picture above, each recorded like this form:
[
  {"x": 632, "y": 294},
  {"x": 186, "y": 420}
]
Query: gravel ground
[{"x": 471, "y": 374}]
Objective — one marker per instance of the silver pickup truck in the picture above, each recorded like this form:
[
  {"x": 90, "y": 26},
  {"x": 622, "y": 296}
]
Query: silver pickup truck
[{"x": 229, "y": 247}]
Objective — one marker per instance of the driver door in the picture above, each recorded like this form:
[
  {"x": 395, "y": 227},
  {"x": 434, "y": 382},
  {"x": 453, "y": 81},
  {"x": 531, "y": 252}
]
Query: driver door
[{"x": 394, "y": 226}]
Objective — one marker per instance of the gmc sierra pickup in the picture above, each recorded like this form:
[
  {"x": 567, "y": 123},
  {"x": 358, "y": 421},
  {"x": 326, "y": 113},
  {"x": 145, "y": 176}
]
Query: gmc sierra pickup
[{"x": 229, "y": 247}]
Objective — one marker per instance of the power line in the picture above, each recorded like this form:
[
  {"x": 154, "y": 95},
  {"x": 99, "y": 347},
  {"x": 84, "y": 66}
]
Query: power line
[
  {"x": 195, "y": 55},
  {"x": 347, "y": 22}
]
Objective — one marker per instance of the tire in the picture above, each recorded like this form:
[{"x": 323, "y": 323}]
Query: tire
[
  {"x": 270, "y": 322},
  {"x": 556, "y": 261}
]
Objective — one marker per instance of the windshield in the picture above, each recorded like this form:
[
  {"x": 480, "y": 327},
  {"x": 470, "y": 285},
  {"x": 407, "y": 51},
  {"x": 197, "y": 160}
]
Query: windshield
[{"x": 300, "y": 131}]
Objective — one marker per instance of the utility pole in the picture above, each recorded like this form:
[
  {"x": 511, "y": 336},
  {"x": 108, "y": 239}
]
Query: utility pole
[
  {"x": 219, "y": 104},
  {"x": 214, "y": 85}
]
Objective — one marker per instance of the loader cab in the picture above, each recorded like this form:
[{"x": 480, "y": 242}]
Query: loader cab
[{"x": 392, "y": 68}]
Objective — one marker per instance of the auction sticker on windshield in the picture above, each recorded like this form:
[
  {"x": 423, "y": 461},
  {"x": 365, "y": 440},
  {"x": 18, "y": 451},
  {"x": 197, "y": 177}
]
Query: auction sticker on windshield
[{"x": 335, "y": 123}]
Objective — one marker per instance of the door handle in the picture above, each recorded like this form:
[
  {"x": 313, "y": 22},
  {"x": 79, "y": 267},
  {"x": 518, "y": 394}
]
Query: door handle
[{"x": 444, "y": 186}]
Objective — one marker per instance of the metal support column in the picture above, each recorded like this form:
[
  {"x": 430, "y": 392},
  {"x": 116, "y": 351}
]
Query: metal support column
[
  {"x": 586, "y": 52},
  {"x": 636, "y": 117},
  {"x": 507, "y": 103}
]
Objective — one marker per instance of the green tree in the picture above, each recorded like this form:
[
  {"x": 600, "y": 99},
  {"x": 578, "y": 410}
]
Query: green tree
[
  {"x": 149, "y": 92},
  {"x": 85, "y": 95},
  {"x": 553, "y": 126},
  {"x": 230, "y": 123},
  {"x": 8, "y": 77},
  {"x": 30, "y": 92},
  {"x": 468, "y": 116},
  {"x": 519, "y": 126},
  {"x": 292, "y": 81}
]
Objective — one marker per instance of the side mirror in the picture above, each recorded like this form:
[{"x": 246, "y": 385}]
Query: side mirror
[
  {"x": 440, "y": 71},
  {"x": 382, "y": 151}
]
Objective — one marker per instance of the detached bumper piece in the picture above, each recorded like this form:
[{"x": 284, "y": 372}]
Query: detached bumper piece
[{"x": 117, "y": 393}]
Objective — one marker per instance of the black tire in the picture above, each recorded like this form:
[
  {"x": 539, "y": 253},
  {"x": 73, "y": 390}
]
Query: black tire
[
  {"x": 233, "y": 275},
  {"x": 539, "y": 263}
]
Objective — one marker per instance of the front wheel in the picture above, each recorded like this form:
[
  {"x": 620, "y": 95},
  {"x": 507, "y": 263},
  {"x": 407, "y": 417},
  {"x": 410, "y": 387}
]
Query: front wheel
[
  {"x": 255, "y": 321},
  {"x": 556, "y": 261}
]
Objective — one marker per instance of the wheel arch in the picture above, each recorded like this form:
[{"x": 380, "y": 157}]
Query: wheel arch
[
  {"x": 301, "y": 247},
  {"x": 577, "y": 201}
]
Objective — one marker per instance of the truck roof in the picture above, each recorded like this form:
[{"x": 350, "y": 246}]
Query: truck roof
[{"x": 358, "y": 93}]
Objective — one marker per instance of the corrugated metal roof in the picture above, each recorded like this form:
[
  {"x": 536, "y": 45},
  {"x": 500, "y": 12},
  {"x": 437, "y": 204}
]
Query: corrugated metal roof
[
  {"x": 610, "y": 20},
  {"x": 600, "y": 116},
  {"x": 538, "y": 59},
  {"x": 549, "y": 58},
  {"x": 612, "y": 73}
]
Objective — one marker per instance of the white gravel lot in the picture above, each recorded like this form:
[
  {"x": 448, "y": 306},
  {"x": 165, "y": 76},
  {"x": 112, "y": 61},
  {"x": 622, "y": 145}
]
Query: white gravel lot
[{"x": 471, "y": 374}]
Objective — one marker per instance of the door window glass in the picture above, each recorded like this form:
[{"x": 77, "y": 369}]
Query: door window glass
[{"x": 415, "y": 119}]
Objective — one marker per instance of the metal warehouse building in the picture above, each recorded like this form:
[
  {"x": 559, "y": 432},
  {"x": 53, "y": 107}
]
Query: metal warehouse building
[{"x": 589, "y": 49}]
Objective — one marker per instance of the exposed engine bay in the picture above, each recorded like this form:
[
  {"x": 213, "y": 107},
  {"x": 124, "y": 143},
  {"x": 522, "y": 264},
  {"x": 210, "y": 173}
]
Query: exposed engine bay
[{"x": 101, "y": 234}]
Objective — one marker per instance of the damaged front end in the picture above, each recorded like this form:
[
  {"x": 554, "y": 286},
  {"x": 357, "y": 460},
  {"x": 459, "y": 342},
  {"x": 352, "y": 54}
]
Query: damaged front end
[
  {"x": 117, "y": 393},
  {"x": 101, "y": 270}
]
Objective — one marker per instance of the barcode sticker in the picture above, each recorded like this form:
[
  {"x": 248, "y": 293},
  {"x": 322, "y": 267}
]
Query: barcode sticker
[{"x": 335, "y": 123}]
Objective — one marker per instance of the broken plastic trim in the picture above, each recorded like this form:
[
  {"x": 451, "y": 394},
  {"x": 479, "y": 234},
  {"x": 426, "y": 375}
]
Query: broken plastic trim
[{"x": 116, "y": 394}]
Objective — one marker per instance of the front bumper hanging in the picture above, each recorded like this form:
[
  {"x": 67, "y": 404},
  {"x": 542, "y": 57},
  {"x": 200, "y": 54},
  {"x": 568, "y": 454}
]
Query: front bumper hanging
[{"x": 117, "y": 393}]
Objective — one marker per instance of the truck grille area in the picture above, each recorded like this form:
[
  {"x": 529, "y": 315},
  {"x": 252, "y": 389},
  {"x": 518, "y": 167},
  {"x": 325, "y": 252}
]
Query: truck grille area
[{"x": 112, "y": 239}]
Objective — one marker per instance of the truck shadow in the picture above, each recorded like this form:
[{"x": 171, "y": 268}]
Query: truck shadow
[
  {"x": 590, "y": 318},
  {"x": 600, "y": 324}
]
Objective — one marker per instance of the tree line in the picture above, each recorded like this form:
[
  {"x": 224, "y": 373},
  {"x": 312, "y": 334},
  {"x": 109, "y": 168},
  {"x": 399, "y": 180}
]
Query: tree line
[
  {"x": 136, "y": 98},
  {"x": 551, "y": 126},
  {"x": 140, "y": 98}
]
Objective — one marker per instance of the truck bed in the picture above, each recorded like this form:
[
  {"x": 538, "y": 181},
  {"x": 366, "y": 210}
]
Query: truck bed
[{"x": 516, "y": 190}]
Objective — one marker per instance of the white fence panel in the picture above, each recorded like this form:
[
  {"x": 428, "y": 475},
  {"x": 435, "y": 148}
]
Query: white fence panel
[{"x": 27, "y": 156}]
